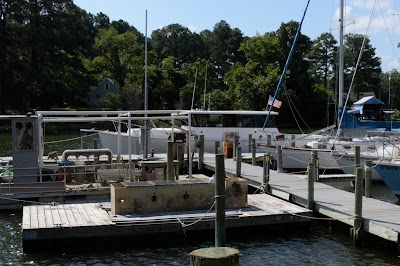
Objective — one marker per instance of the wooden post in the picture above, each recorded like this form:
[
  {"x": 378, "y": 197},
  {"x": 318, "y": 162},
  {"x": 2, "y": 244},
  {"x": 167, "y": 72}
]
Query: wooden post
[
  {"x": 253, "y": 151},
  {"x": 358, "y": 205},
  {"x": 268, "y": 140},
  {"x": 368, "y": 179},
  {"x": 315, "y": 160},
  {"x": 293, "y": 143},
  {"x": 235, "y": 146},
  {"x": 170, "y": 161},
  {"x": 220, "y": 233},
  {"x": 279, "y": 159},
  {"x": 266, "y": 168},
  {"x": 200, "y": 164},
  {"x": 250, "y": 138},
  {"x": 310, "y": 198},
  {"x": 217, "y": 147},
  {"x": 223, "y": 256},
  {"x": 239, "y": 161},
  {"x": 356, "y": 158}
]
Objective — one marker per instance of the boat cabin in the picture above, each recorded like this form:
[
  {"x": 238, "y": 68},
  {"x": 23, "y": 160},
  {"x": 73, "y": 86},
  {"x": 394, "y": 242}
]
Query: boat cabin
[
  {"x": 232, "y": 119},
  {"x": 369, "y": 108}
]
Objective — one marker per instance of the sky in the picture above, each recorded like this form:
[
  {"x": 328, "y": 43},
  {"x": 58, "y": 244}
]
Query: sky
[{"x": 254, "y": 17}]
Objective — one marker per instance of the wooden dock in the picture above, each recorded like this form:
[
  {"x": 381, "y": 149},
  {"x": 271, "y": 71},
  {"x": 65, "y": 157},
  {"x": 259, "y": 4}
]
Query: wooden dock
[
  {"x": 68, "y": 221},
  {"x": 378, "y": 217}
]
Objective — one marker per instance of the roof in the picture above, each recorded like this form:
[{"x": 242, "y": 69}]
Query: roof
[{"x": 368, "y": 100}]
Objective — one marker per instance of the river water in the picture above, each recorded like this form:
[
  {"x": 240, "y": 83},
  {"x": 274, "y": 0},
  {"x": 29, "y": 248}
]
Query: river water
[{"x": 323, "y": 243}]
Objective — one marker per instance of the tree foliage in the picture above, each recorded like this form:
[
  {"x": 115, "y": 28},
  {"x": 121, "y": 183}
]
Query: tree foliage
[{"x": 52, "y": 54}]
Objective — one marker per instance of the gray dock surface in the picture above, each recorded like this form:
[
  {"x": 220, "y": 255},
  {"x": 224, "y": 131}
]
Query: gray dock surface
[
  {"x": 379, "y": 218},
  {"x": 66, "y": 221}
]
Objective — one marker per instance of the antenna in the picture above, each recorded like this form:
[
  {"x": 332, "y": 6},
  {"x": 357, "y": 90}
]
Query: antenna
[
  {"x": 194, "y": 88},
  {"x": 205, "y": 88}
]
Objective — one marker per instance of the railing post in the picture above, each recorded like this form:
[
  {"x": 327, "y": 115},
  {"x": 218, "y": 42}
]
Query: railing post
[
  {"x": 239, "y": 161},
  {"x": 279, "y": 159},
  {"x": 200, "y": 164},
  {"x": 253, "y": 151},
  {"x": 220, "y": 231},
  {"x": 170, "y": 161},
  {"x": 310, "y": 197},
  {"x": 368, "y": 179}
]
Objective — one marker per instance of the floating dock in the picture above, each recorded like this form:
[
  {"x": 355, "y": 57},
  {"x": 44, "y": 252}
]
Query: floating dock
[
  {"x": 378, "y": 217},
  {"x": 69, "y": 221}
]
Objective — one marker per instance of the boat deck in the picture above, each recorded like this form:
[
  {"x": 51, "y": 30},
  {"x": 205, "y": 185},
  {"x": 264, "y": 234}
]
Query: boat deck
[{"x": 379, "y": 218}]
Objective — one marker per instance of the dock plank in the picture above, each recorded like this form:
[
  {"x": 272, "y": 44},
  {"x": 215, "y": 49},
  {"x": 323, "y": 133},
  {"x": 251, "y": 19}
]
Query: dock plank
[
  {"x": 57, "y": 222},
  {"x": 80, "y": 220},
  {"x": 70, "y": 215},
  {"x": 34, "y": 217},
  {"x": 41, "y": 216},
  {"x": 26, "y": 218},
  {"x": 48, "y": 216},
  {"x": 86, "y": 217},
  {"x": 63, "y": 216}
]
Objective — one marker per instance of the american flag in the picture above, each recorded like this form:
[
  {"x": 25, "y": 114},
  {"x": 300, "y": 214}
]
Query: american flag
[{"x": 276, "y": 103}]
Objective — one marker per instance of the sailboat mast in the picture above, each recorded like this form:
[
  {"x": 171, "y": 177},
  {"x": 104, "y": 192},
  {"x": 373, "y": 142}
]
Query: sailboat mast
[
  {"x": 341, "y": 57},
  {"x": 145, "y": 139}
]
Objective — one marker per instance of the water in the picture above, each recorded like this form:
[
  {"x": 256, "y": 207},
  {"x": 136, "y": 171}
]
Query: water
[{"x": 257, "y": 246}]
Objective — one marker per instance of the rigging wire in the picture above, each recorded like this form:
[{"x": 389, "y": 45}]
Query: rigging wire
[
  {"x": 355, "y": 69},
  {"x": 282, "y": 78}
]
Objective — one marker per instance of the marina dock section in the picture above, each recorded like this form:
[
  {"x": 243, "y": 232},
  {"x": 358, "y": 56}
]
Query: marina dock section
[
  {"x": 69, "y": 221},
  {"x": 378, "y": 217}
]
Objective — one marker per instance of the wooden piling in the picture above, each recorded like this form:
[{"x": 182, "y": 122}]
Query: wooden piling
[
  {"x": 368, "y": 179},
  {"x": 266, "y": 168},
  {"x": 310, "y": 196},
  {"x": 217, "y": 147},
  {"x": 200, "y": 164},
  {"x": 249, "y": 140},
  {"x": 279, "y": 159},
  {"x": 170, "y": 161},
  {"x": 214, "y": 256},
  {"x": 355, "y": 231},
  {"x": 356, "y": 158},
  {"x": 239, "y": 161},
  {"x": 235, "y": 146},
  {"x": 253, "y": 151},
  {"x": 315, "y": 160},
  {"x": 220, "y": 232}
]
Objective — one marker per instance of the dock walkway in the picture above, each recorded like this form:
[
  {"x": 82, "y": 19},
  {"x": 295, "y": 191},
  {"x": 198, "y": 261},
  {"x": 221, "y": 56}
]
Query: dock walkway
[
  {"x": 68, "y": 221},
  {"x": 379, "y": 218}
]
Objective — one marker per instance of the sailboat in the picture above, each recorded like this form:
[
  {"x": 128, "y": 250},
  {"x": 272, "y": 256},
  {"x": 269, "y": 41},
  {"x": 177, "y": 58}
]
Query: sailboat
[{"x": 297, "y": 158}]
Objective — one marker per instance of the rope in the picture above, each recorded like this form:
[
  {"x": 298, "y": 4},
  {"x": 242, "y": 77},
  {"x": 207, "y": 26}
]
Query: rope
[
  {"x": 195, "y": 222},
  {"x": 31, "y": 201},
  {"x": 319, "y": 218},
  {"x": 64, "y": 140}
]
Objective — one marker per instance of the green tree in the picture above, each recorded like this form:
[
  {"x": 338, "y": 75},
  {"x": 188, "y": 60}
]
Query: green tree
[
  {"x": 322, "y": 57},
  {"x": 368, "y": 69},
  {"x": 251, "y": 84},
  {"x": 223, "y": 45},
  {"x": 118, "y": 55},
  {"x": 179, "y": 42}
]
